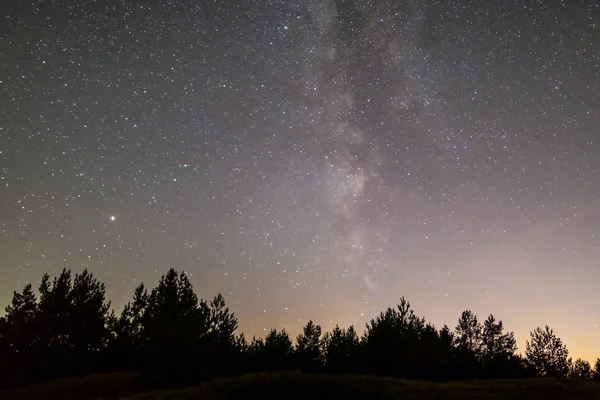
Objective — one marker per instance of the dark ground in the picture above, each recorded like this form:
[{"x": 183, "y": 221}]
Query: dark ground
[{"x": 306, "y": 386}]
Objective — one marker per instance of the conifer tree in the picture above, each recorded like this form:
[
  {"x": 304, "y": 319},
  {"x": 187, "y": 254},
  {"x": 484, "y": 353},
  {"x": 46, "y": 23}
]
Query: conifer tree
[
  {"x": 546, "y": 353},
  {"x": 596, "y": 371},
  {"x": 581, "y": 369},
  {"x": 341, "y": 348},
  {"x": 309, "y": 348}
]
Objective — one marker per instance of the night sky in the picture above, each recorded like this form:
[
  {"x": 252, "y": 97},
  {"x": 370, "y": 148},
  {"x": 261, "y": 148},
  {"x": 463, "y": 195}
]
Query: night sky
[{"x": 310, "y": 159}]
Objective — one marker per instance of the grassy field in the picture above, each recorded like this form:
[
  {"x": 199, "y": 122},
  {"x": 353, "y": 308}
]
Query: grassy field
[
  {"x": 110, "y": 386},
  {"x": 309, "y": 387}
]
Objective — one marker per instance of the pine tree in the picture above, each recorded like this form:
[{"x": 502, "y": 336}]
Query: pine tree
[
  {"x": 498, "y": 350},
  {"x": 88, "y": 317},
  {"x": 596, "y": 372},
  {"x": 494, "y": 342},
  {"x": 546, "y": 353},
  {"x": 223, "y": 323},
  {"x": 447, "y": 338},
  {"x": 581, "y": 369},
  {"x": 467, "y": 343},
  {"x": 391, "y": 341},
  {"x": 20, "y": 331},
  {"x": 128, "y": 338},
  {"x": 273, "y": 353},
  {"x": 19, "y": 338},
  {"x": 224, "y": 351},
  {"x": 309, "y": 348},
  {"x": 468, "y": 333},
  {"x": 341, "y": 348},
  {"x": 175, "y": 332}
]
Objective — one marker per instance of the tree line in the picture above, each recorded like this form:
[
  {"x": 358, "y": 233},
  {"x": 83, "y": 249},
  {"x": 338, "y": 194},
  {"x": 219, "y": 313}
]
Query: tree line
[{"x": 170, "y": 336}]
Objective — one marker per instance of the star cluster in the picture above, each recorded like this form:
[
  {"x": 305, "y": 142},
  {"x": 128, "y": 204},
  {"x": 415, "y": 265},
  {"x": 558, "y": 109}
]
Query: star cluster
[{"x": 310, "y": 159}]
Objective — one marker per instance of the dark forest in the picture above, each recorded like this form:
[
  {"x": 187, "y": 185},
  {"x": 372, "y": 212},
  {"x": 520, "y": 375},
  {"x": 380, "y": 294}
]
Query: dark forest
[{"x": 171, "y": 337}]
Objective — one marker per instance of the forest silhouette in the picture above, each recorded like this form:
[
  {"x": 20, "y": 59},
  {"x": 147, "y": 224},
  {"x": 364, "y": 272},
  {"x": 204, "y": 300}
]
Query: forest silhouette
[{"x": 170, "y": 337}]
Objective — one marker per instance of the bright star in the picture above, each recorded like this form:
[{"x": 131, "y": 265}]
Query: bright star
[{"x": 112, "y": 218}]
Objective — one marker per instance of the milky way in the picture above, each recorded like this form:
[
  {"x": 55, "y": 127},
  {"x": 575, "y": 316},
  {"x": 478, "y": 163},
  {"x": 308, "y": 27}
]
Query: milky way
[{"x": 310, "y": 159}]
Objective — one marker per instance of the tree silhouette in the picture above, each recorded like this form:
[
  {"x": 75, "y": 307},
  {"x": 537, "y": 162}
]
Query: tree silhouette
[
  {"x": 447, "y": 354},
  {"x": 8, "y": 365},
  {"x": 274, "y": 353},
  {"x": 71, "y": 323},
  {"x": 468, "y": 333},
  {"x": 391, "y": 341},
  {"x": 494, "y": 342},
  {"x": 432, "y": 355},
  {"x": 19, "y": 336},
  {"x": 468, "y": 343},
  {"x": 546, "y": 353},
  {"x": 170, "y": 336},
  {"x": 596, "y": 371},
  {"x": 498, "y": 350},
  {"x": 175, "y": 327},
  {"x": 128, "y": 337},
  {"x": 581, "y": 369},
  {"x": 341, "y": 348},
  {"x": 88, "y": 313},
  {"x": 447, "y": 338},
  {"x": 54, "y": 325},
  {"x": 309, "y": 348},
  {"x": 20, "y": 330},
  {"x": 225, "y": 347},
  {"x": 223, "y": 323},
  {"x": 62, "y": 334}
]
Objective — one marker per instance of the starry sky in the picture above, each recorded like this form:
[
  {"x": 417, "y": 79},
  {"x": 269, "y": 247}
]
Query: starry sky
[{"x": 310, "y": 158}]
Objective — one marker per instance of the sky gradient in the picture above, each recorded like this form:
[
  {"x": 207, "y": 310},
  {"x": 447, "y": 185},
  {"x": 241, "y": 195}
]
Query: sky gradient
[{"x": 310, "y": 159}]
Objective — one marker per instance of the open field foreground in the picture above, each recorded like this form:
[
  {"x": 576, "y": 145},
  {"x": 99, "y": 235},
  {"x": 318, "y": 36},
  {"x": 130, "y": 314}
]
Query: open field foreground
[
  {"x": 105, "y": 386},
  {"x": 306, "y": 386}
]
